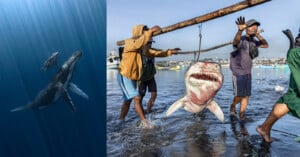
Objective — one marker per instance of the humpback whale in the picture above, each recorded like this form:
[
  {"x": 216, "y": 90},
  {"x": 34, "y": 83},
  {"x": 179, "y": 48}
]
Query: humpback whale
[
  {"x": 50, "y": 61},
  {"x": 57, "y": 87}
]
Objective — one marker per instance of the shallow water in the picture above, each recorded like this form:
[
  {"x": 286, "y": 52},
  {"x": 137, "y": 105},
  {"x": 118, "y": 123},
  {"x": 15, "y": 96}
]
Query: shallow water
[{"x": 186, "y": 134}]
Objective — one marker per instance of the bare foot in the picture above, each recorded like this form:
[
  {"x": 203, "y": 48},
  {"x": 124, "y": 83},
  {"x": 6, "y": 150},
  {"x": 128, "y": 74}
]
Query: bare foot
[{"x": 265, "y": 134}]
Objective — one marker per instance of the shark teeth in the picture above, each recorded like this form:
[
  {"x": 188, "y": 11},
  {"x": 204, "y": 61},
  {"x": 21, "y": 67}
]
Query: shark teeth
[{"x": 205, "y": 77}]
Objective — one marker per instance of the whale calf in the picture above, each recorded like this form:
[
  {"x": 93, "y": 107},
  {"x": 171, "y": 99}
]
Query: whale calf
[{"x": 52, "y": 60}]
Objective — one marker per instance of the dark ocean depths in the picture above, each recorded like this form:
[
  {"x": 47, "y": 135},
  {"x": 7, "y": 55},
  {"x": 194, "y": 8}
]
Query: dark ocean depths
[
  {"x": 30, "y": 31},
  {"x": 202, "y": 135}
]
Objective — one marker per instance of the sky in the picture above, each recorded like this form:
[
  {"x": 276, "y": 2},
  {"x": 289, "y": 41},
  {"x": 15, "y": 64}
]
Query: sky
[{"x": 274, "y": 16}]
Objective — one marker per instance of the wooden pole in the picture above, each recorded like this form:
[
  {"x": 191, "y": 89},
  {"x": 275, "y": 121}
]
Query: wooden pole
[
  {"x": 206, "y": 17},
  {"x": 212, "y": 48},
  {"x": 205, "y": 50}
]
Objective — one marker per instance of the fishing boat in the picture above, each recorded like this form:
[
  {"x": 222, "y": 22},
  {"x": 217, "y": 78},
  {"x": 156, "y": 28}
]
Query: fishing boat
[
  {"x": 167, "y": 66},
  {"x": 272, "y": 66},
  {"x": 267, "y": 66},
  {"x": 175, "y": 67},
  {"x": 112, "y": 62}
]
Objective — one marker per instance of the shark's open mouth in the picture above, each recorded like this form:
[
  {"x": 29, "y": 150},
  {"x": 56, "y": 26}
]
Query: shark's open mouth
[{"x": 205, "y": 77}]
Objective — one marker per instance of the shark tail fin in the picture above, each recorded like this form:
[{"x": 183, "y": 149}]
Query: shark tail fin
[
  {"x": 175, "y": 106},
  {"x": 19, "y": 108},
  {"x": 216, "y": 110}
]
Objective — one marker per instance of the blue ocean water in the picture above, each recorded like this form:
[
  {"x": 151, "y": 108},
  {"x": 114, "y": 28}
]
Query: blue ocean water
[{"x": 30, "y": 31}]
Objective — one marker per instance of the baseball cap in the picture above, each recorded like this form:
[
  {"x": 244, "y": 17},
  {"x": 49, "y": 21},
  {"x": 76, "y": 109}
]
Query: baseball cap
[
  {"x": 252, "y": 22},
  {"x": 145, "y": 28}
]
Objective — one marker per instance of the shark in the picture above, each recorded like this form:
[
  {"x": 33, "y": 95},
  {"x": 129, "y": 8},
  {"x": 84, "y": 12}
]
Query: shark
[
  {"x": 202, "y": 81},
  {"x": 58, "y": 87}
]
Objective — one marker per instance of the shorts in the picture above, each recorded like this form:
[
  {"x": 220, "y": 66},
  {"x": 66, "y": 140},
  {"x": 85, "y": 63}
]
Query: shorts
[
  {"x": 128, "y": 87},
  {"x": 241, "y": 85},
  {"x": 292, "y": 101},
  {"x": 151, "y": 84}
]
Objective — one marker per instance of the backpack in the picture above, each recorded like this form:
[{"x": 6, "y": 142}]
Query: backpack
[{"x": 253, "y": 50}]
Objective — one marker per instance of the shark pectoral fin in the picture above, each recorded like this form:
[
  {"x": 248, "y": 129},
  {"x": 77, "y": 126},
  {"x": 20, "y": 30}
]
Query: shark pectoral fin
[
  {"x": 77, "y": 90},
  {"x": 68, "y": 99},
  {"x": 175, "y": 106},
  {"x": 216, "y": 110}
]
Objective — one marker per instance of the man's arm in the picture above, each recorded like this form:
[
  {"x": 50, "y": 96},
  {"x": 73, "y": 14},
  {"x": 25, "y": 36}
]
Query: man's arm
[
  {"x": 264, "y": 43},
  {"x": 237, "y": 38},
  {"x": 241, "y": 27},
  {"x": 152, "y": 52}
]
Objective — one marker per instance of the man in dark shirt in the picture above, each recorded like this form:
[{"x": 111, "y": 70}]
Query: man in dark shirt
[
  {"x": 148, "y": 81},
  {"x": 241, "y": 63}
]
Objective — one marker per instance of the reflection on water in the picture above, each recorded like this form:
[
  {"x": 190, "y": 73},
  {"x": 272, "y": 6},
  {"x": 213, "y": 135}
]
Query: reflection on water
[
  {"x": 111, "y": 74},
  {"x": 186, "y": 134},
  {"x": 201, "y": 141},
  {"x": 248, "y": 145}
]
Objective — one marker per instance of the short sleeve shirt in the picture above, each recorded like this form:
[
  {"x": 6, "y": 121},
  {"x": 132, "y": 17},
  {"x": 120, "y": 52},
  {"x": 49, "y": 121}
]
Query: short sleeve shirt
[{"x": 241, "y": 64}]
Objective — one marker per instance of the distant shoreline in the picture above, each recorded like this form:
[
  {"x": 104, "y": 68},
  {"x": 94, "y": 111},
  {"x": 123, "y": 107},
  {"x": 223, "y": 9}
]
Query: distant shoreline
[{"x": 262, "y": 63}]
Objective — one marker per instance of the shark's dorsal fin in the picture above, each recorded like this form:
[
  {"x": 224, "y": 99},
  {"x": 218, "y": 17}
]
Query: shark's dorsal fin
[{"x": 216, "y": 110}]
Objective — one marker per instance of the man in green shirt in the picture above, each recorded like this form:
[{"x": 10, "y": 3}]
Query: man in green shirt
[{"x": 290, "y": 101}]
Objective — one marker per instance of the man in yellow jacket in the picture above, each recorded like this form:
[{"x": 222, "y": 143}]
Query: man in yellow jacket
[{"x": 131, "y": 66}]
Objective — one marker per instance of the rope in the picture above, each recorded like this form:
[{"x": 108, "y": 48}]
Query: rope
[{"x": 200, "y": 38}]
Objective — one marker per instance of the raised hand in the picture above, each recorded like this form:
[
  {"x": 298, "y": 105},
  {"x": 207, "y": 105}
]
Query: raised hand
[
  {"x": 156, "y": 29},
  {"x": 241, "y": 23},
  {"x": 173, "y": 51}
]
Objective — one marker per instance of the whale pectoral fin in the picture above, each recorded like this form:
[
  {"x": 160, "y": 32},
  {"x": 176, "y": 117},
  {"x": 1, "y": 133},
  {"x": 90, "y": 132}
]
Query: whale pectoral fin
[
  {"x": 216, "y": 110},
  {"x": 77, "y": 90},
  {"x": 68, "y": 99},
  {"x": 175, "y": 106},
  {"x": 27, "y": 106}
]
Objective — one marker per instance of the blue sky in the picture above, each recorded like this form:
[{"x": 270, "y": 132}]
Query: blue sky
[{"x": 274, "y": 16}]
